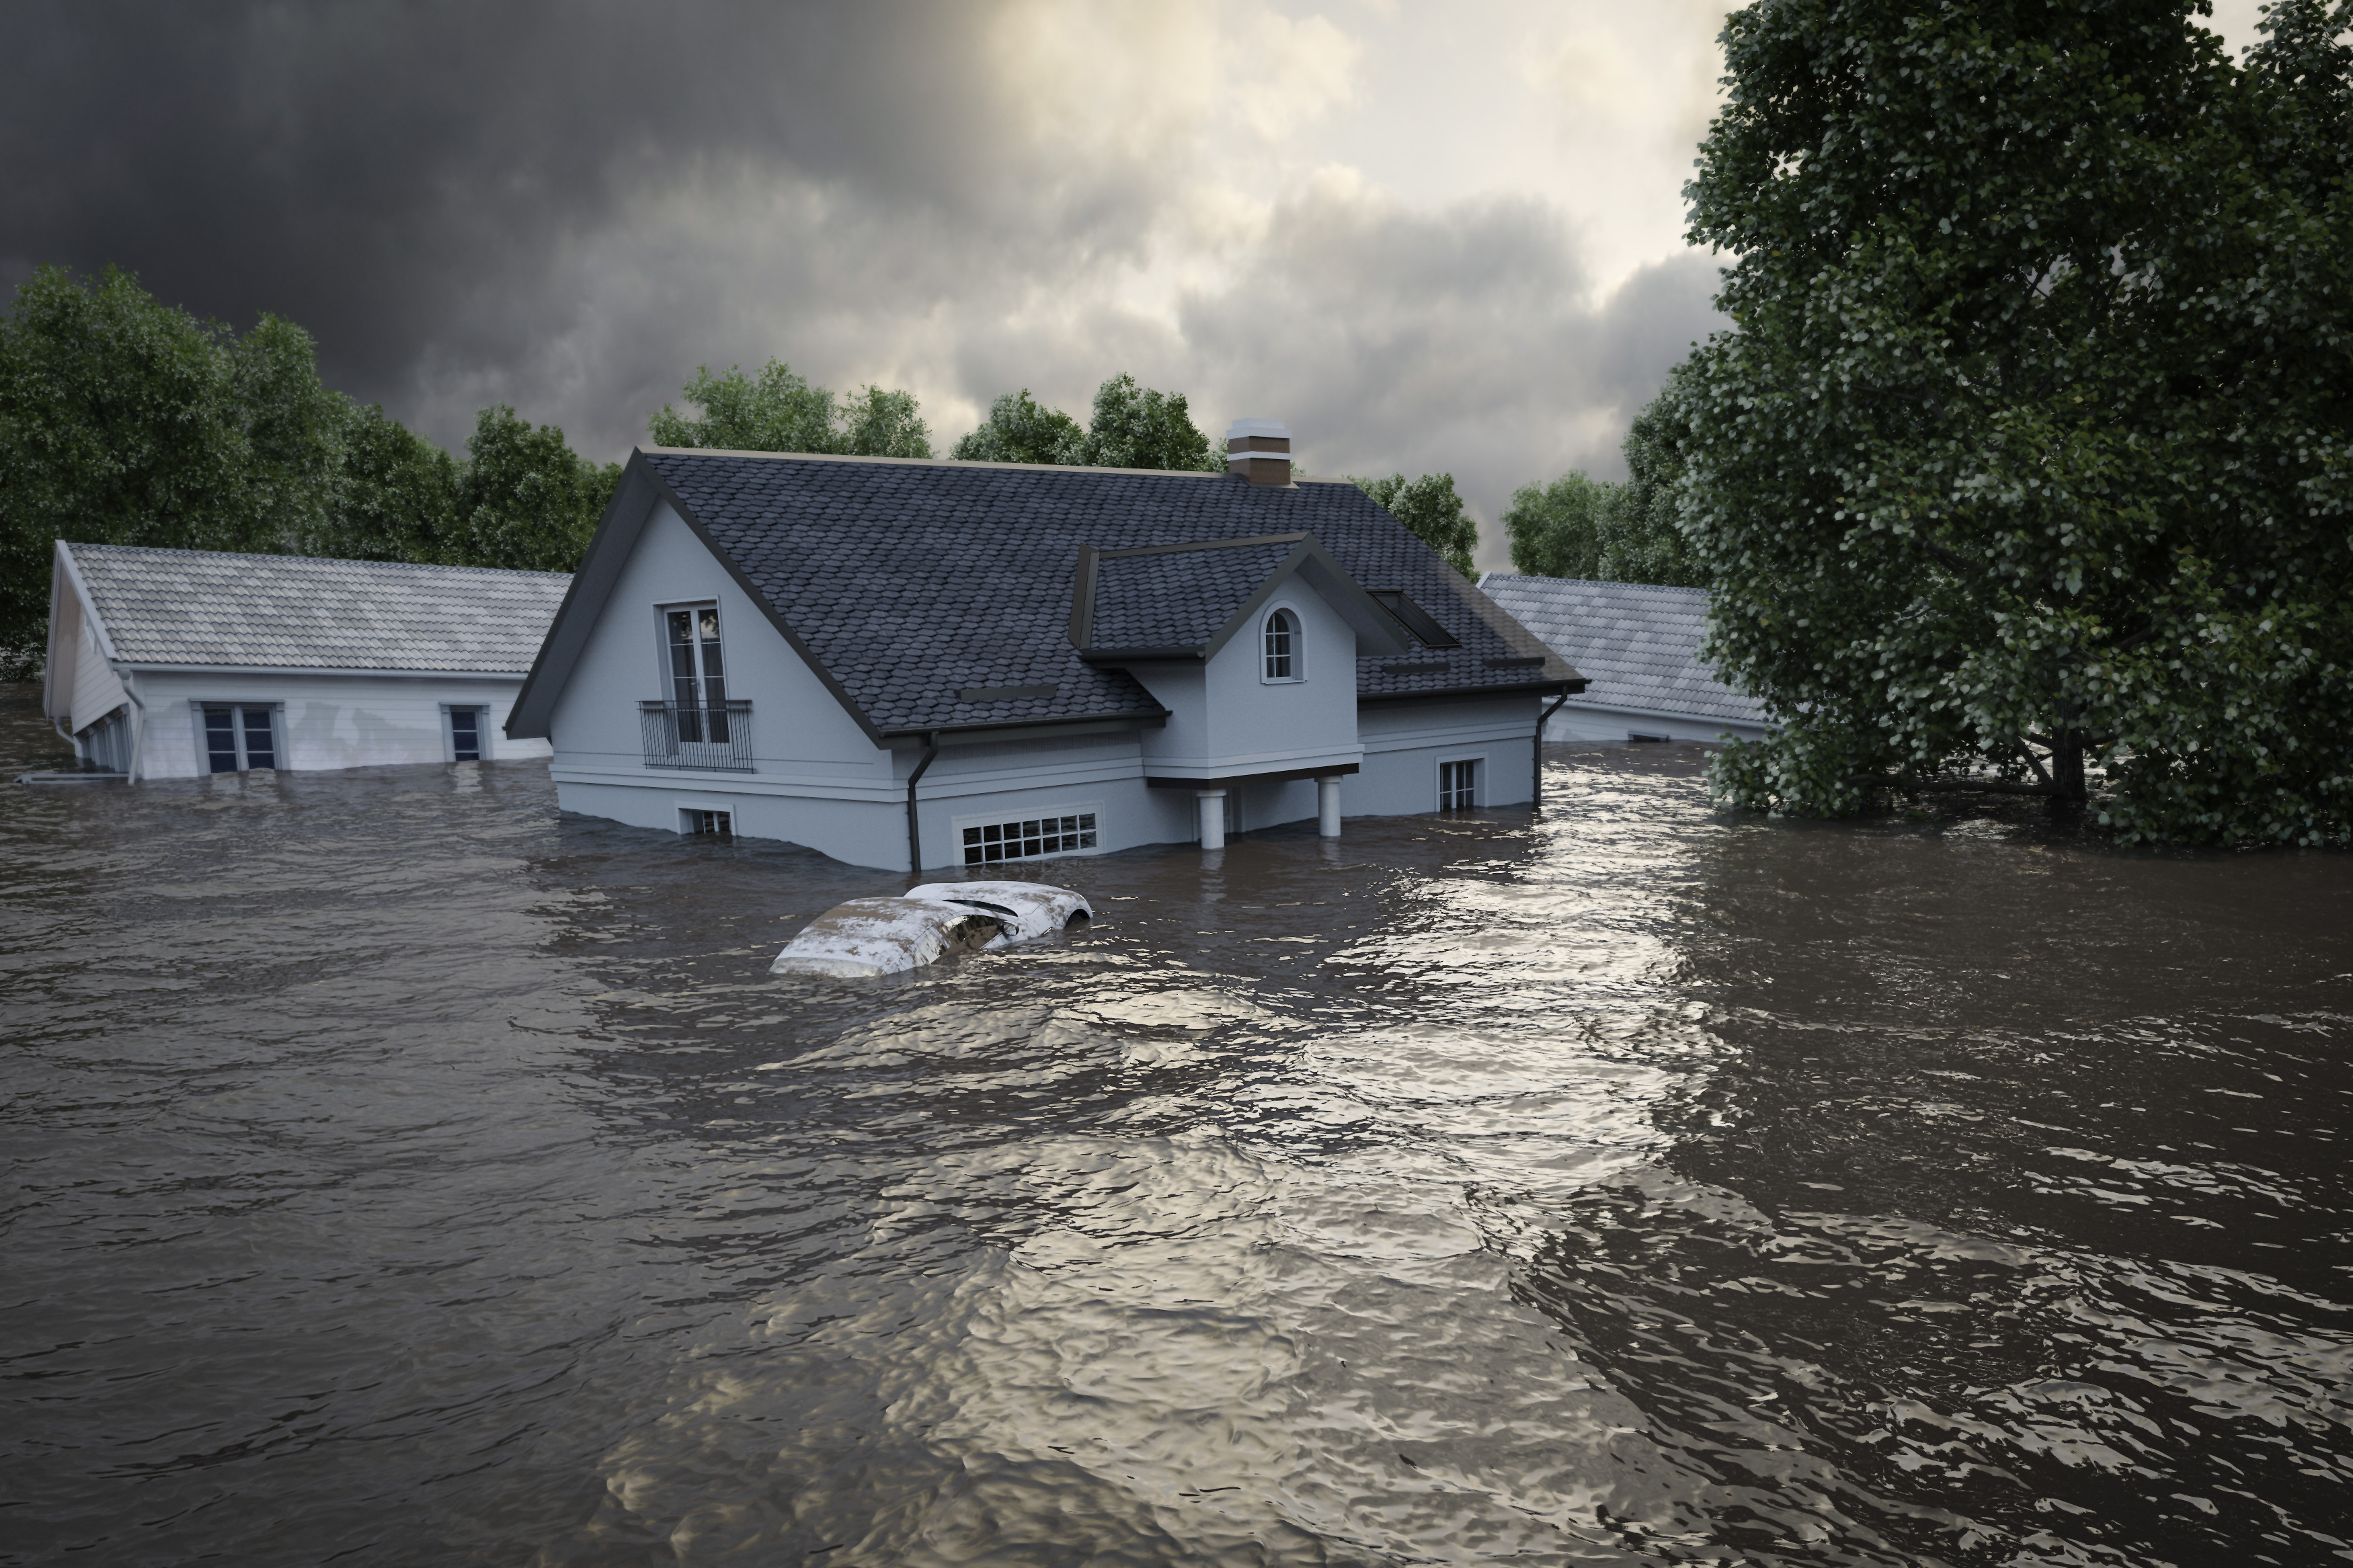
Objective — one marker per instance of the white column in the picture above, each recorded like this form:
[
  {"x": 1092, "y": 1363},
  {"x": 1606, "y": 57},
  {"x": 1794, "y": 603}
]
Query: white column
[
  {"x": 1327, "y": 807},
  {"x": 1213, "y": 817}
]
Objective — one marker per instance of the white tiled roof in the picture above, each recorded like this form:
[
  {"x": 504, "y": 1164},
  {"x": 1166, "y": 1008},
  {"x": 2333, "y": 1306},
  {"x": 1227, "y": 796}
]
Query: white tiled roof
[
  {"x": 1636, "y": 644},
  {"x": 298, "y": 612}
]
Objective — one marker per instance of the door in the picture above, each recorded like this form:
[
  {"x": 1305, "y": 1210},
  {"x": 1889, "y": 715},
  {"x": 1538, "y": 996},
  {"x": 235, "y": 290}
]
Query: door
[{"x": 697, "y": 674}]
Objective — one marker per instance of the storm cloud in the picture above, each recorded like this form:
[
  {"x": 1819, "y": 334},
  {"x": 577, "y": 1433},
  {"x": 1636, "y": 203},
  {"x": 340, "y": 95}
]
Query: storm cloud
[{"x": 1426, "y": 243}]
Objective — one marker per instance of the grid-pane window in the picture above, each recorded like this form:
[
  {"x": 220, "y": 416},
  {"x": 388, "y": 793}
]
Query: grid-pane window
[
  {"x": 719, "y": 822},
  {"x": 1458, "y": 785},
  {"x": 236, "y": 738},
  {"x": 1282, "y": 646},
  {"x": 466, "y": 734},
  {"x": 698, "y": 673},
  {"x": 1029, "y": 838}
]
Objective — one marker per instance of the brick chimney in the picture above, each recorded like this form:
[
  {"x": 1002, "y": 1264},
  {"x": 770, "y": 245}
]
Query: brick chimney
[{"x": 1259, "y": 452}]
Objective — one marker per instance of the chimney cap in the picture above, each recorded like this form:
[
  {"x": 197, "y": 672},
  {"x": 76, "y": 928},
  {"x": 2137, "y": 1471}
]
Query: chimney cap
[{"x": 1241, "y": 428}]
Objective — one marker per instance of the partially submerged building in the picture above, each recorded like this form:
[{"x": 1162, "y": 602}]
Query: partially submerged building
[
  {"x": 1637, "y": 645},
  {"x": 918, "y": 663},
  {"x": 177, "y": 663}
]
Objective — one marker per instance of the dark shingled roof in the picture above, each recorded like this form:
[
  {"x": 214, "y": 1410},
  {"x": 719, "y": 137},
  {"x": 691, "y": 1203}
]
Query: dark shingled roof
[
  {"x": 1179, "y": 599},
  {"x": 912, "y": 581}
]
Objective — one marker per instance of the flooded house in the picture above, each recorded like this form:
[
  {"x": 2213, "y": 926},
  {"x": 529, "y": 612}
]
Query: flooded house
[
  {"x": 1637, "y": 644},
  {"x": 178, "y": 663},
  {"x": 907, "y": 663}
]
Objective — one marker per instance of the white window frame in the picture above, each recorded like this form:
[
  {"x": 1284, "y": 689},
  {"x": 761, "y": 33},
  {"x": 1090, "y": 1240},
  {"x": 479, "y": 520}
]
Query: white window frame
[
  {"x": 688, "y": 805},
  {"x": 667, "y": 683},
  {"x": 956, "y": 825},
  {"x": 1478, "y": 780},
  {"x": 1298, "y": 643},
  {"x": 481, "y": 730},
  {"x": 277, "y": 711}
]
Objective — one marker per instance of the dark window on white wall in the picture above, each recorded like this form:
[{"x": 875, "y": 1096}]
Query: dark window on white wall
[
  {"x": 719, "y": 822},
  {"x": 1458, "y": 785},
  {"x": 1282, "y": 650},
  {"x": 239, "y": 737},
  {"x": 698, "y": 673},
  {"x": 466, "y": 734}
]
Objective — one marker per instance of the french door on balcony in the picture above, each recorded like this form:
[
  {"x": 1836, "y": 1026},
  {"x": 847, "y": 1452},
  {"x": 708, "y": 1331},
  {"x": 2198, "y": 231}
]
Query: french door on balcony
[{"x": 697, "y": 675}]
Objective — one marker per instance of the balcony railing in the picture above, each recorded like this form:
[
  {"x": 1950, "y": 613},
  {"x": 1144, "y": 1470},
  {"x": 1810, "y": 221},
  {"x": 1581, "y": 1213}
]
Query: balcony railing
[{"x": 717, "y": 738}]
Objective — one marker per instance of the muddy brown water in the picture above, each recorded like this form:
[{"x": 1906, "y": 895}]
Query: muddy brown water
[{"x": 400, "y": 1172}]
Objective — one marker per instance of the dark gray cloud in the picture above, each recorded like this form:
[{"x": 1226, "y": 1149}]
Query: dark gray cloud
[{"x": 568, "y": 205}]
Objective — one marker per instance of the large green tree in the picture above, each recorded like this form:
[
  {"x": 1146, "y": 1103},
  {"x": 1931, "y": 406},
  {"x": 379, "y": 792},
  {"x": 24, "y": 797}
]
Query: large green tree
[
  {"x": 1134, "y": 427},
  {"x": 1578, "y": 526},
  {"x": 127, "y": 421},
  {"x": 2030, "y": 458},
  {"x": 1430, "y": 512},
  {"x": 778, "y": 411},
  {"x": 1020, "y": 429}
]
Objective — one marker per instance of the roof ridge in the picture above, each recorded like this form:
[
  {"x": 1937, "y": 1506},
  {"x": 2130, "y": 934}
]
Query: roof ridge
[
  {"x": 79, "y": 546},
  {"x": 932, "y": 462}
]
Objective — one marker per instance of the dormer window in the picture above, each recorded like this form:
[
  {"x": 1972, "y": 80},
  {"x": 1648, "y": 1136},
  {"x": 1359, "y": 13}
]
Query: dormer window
[{"x": 1283, "y": 660}]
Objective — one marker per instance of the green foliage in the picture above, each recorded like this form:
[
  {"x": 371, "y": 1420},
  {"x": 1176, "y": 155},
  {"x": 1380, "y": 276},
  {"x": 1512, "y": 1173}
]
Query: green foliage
[
  {"x": 879, "y": 424},
  {"x": 1430, "y": 512},
  {"x": 1605, "y": 532},
  {"x": 779, "y": 411},
  {"x": 527, "y": 500},
  {"x": 1136, "y": 428},
  {"x": 403, "y": 495},
  {"x": 1020, "y": 429},
  {"x": 1133, "y": 428},
  {"x": 127, "y": 421},
  {"x": 2032, "y": 451}
]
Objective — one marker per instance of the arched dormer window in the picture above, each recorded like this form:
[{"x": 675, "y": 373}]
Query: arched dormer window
[{"x": 1284, "y": 655}]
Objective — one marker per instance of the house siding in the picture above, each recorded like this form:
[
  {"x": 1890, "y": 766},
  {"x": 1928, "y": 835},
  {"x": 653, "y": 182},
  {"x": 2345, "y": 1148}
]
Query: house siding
[{"x": 325, "y": 720}]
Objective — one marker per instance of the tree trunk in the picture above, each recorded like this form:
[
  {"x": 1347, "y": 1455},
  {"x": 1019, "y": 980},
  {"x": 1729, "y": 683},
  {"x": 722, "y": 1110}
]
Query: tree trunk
[{"x": 2069, "y": 792}]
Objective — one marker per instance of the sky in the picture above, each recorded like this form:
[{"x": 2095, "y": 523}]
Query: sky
[{"x": 1427, "y": 237}]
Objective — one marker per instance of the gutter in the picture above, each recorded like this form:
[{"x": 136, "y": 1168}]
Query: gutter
[
  {"x": 914, "y": 834},
  {"x": 1536, "y": 795}
]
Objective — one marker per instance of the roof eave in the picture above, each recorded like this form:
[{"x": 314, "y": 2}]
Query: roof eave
[{"x": 1526, "y": 689}]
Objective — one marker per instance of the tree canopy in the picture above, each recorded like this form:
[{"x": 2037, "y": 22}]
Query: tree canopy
[
  {"x": 2031, "y": 449},
  {"x": 127, "y": 421},
  {"x": 1134, "y": 427},
  {"x": 1430, "y": 512},
  {"x": 1578, "y": 526},
  {"x": 779, "y": 411}
]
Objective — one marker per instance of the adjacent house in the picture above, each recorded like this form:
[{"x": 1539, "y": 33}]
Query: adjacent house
[
  {"x": 912, "y": 664},
  {"x": 1638, "y": 647},
  {"x": 176, "y": 663}
]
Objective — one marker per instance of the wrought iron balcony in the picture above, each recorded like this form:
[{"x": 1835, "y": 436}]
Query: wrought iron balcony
[{"x": 717, "y": 738}]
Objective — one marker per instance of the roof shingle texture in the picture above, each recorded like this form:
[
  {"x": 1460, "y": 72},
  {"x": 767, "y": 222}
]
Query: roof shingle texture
[
  {"x": 911, "y": 580},
  {"x": 1635, "y": 643},
  {"x": 204, "y": 607},
  {"x": 1178, "y": 600}
]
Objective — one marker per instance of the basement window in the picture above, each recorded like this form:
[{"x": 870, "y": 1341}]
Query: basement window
[
  {"x": 1029, "y": 840},
  {"x": 722, "y": 823}
]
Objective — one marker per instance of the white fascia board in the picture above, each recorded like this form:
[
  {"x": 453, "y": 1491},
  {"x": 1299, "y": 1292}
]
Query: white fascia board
[
  {"x": 672, "y": 779},
  {"x": 1253, "y": 762},
  {"x": 513, "y": 678}
]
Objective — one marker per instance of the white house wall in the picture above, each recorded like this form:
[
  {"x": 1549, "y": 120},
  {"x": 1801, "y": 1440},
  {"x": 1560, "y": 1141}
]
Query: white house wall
[
  {"x": 95, "y": 689},
  {"x": 325, "y": 720},
  {"x": 1406, "y": 741},
  {"x": 1223, "y": 719}
]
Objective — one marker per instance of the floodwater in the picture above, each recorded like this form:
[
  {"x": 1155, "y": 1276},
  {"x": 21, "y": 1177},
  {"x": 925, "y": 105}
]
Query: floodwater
[{"x": 400, "y": 1172}]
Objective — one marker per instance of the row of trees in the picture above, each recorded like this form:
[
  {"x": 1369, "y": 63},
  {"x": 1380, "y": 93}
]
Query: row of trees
[
  {"x": 125, "y": 421},
  {"x": 1608, "y": 532}
]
